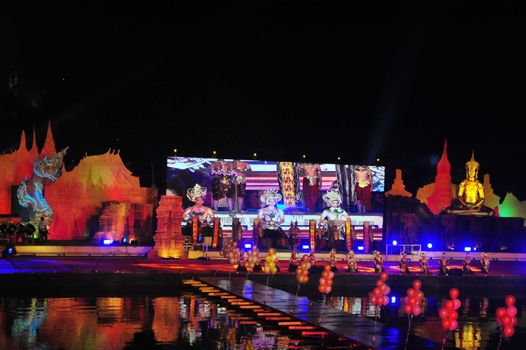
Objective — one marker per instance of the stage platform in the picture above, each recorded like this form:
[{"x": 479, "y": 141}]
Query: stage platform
[
  {"x": 247, "y": 220},
  {"x": 81, "y": 250}
]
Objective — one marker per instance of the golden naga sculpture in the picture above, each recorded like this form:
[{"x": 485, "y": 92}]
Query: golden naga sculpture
[{"x": 471, "y": 191}]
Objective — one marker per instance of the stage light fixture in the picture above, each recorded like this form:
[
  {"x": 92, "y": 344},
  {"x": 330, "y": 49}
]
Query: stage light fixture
[
  {"x": 107, "y": 241},
  {"x": 339, "y": 158},
  {"x": 395, "y": 242},
  {"x": 124, "y": 240},
  {"x": 305, "y": 246},
  {"x": 175, "y": 150},
  {"x": 214, "y": 152},
  {"x": 467, "y": 249},
  {"x": 360, "y": 247},
  {"x": 429, "y": 245},
  {"x": 248, "y": 245},
  {"x": 304, "y": 156},
  {"x": 393, "y": 300},
  {"x": 254, "y": 154}
]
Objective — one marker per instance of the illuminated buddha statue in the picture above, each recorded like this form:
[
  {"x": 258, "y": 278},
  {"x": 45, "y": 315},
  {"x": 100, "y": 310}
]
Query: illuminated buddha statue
[{"x": 471, "y": 191}]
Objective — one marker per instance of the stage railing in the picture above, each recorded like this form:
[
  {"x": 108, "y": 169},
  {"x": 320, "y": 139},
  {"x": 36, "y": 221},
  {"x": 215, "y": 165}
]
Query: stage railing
[{"x": 414, "y": 249}]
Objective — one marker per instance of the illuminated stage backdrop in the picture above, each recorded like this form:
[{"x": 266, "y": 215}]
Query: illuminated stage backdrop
[{"x": 302, "y": 184}]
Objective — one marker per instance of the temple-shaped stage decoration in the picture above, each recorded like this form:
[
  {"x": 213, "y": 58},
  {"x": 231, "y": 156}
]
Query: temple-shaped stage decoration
[
  {"x": 442, "y": 196},
  {"x": 398, "y": 188}
]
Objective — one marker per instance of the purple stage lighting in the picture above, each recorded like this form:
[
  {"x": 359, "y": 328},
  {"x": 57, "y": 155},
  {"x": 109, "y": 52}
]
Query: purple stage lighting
[
  {"x": 305, "y": 246},
  {"x": 248, "y": 245},
  {"x": 360, "y": 247},
  {"x": 429, "y": 245},
  {"x": 395, "y": 242},
  {"x": 467, "y": 249},
  {"x": 107, "y": 241}
]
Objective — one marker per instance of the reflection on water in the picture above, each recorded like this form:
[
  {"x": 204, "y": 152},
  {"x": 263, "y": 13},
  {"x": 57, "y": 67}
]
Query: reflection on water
[
  {"x": 477, "y": 325},
  {"x": 186, "y": 322}
]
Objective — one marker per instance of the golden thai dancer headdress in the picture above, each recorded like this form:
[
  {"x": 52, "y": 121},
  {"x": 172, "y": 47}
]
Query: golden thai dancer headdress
[
  {"x": 196, "y": 192},
  {"x": 270, "y": 194}
]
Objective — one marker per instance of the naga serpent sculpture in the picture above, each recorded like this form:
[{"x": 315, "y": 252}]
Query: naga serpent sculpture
[{"x": 30, "y": 193}]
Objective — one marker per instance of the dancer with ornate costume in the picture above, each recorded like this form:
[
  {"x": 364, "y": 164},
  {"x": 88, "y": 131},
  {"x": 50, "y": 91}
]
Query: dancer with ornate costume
[
  {"x": 404, "y": 268},
  {"x": 467, "y": 261},
  {"x": 484, "y": 262},
  {"x": 238, "y": 185},
  {"x": 311, "y": 184},
  {"x": 352, "y": 264},
  {"x": 333, "y": 219},
  {"x": 443, "y": 264},
  {"x": 363, "y": 187},
  {"x": 424, "y": 263},
  {"x": 294, "y": 261},
  {"x": 271, "y": 218},
  {"x": 378, "y": 262},
  {"x": 294, "y": 232},
  {"x": 197, "y": 195},
  {"x": 222, "y": 173}
]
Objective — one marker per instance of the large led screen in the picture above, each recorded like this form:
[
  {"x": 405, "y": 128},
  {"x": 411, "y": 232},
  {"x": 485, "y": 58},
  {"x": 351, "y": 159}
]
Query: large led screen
[{"x": 237, "y": 185}]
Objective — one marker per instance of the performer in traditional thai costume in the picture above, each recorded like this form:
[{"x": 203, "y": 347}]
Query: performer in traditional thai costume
[
  {"x": 352, "y": 264},
  {"x": 294, "y": 261},
  {"x": 238, "y": 184},
  {"x": 197, "y": 194},
  {"x": 294, "y": 232},
  {"x": 378, "y": 262},
  {"x": 363, "y": 188},
  {"x": 404, "y": 268},
  {"x": 271, "y": 218},
  {"x": 333, "y": 219},
  {"x": 467, "y": 261},
  {"x": 484, "y": 262},
  {"x": 222, "y": 173},
  {"x": 311, "y": 184},
  {"x": 443, "y": 264},
  {"x": 424, "y": 263}
]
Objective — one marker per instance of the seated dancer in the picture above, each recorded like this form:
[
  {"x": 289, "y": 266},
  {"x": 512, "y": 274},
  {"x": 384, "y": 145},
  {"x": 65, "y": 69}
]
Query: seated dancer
[
  {"x": 311, "y": 184},
  {"x": 294, "y": 261},
  {"x": 241, "y": 264},
  {"x": 404, "y": 268},
  {"x": 378, "y": 262},
  {"x": 352, "y": 265},
  {"x": 484, "y": 261},
  {"x": 197, "y": 194},
  {"x": 467, "y": 261},
  {"x": 271, "y": 218},
  {"x": 333, "y": 219},
  {"x": 333, "y": 260},
  {"x": 312, "y": 262},
  {"x": 443, "y": 264},
  {"x": 424, "y": 262}
]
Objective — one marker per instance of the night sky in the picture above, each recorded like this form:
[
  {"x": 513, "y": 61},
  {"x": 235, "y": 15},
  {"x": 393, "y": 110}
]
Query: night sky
[{"x": 356, "y": 79}]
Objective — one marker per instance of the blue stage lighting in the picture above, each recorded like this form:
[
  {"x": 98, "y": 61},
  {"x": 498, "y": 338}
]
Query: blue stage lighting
[
  {"x": 305, "y": 246},
  {"x": 467, "y": 249},
  {"x": 107, "y": 241},
  {"x": 395, "y": 242},
  {"x": 248, "y": 245},
  {"x": 360, "y": 247},
  {"x": 124, "y": 240},
  {"x": 10, "y": 251},
  {"x": 429, "y": 245},
  {"x": 393, "y": 300}
]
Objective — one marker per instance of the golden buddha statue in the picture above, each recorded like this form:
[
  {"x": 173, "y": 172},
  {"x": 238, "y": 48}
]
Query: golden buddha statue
[{"x": 471, "y": 191}]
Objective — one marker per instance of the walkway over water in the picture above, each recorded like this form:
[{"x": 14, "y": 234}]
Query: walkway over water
[{"x": 354, "y": 327}]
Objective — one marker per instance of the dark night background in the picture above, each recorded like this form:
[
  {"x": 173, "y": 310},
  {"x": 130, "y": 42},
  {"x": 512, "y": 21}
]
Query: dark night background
[{"x": 357, "y": 79}]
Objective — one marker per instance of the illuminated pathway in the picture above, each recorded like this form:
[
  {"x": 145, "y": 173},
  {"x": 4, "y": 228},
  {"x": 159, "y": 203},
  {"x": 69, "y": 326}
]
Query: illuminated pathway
[{"x": 351, "y": 326}]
